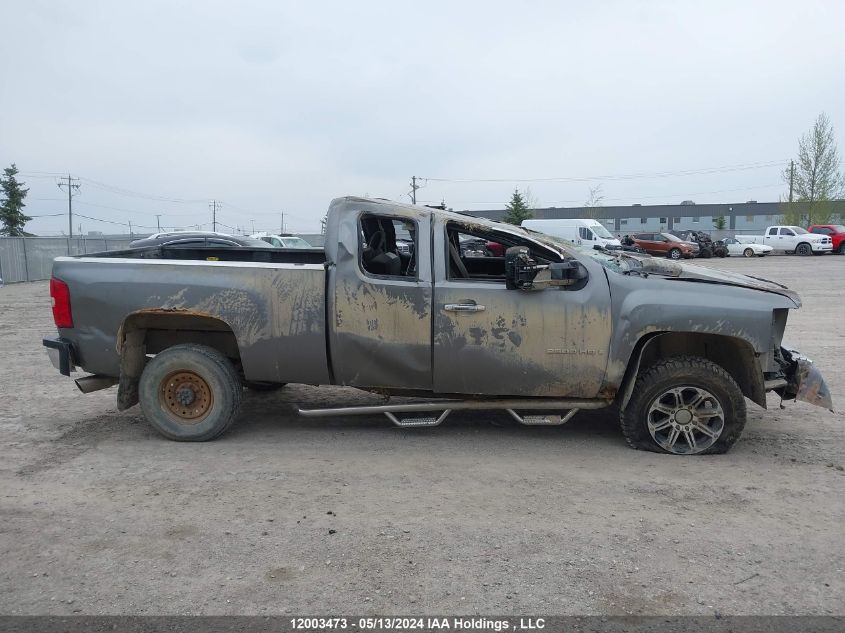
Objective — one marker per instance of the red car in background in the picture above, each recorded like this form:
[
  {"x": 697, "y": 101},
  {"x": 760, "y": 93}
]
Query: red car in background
[{"x": 836, "y": 233}]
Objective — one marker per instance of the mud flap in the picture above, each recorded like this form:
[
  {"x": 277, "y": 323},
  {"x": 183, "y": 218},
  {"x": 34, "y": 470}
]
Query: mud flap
[
  {"x": 132, "y": 362},
  {"x": 806, "y": 382}
]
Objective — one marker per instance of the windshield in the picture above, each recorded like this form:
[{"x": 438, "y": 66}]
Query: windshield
[
  {"x": 249, "y": 242},
  {"x": 602, "y": 232},
  {"x": 296, "y": 242},
  {"x": 798, "y": 230}
]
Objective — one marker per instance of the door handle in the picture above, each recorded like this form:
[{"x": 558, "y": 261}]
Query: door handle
[{"x": 463, "y": 307}]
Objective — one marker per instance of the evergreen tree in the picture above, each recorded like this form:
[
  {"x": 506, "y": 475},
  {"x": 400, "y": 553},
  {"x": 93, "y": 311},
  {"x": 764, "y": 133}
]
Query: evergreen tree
[
  {"x": 517, "y": 209},
  {"x": 719, "y": 222},
  {"x": 11, "y": 208}
]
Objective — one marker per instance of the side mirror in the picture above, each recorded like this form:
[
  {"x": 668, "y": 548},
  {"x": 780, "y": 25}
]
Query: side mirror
[
  {"x": 523, "y": 273},
  {"x": 571, "y": 274},
  {"x": 520, "y": 268}
]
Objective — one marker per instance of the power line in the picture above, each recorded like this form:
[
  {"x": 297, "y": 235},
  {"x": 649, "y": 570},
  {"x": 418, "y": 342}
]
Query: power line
[
  {"x": 129, "y": 224},
  {"x": 137, "y": 194},
  {"x": 660, "y": 174}
]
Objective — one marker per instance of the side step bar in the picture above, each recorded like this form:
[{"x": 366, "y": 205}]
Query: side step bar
[{"x": 447, "y": 406}]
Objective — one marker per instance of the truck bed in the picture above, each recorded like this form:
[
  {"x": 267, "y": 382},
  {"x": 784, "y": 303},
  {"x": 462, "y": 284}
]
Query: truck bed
[
  {"x": 270, "y": 303},
  {"x": 223, "y": 254}
]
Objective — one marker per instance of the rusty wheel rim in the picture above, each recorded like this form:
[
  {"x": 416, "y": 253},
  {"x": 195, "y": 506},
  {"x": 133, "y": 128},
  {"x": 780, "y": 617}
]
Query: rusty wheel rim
[{"x": 187, "y": 396}]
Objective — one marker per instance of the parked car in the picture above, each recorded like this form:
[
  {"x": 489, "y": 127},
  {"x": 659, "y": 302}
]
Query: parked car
[
  {"x": 666, "y": 244},
  {"x": 736, "y": 246},
  {"x": 706, "y": 246},
  {"x": 282, "y": 241},
  {"x": 836, "y": 232},
  {"x": 792, "y": 239},
  {"x": 198, "y": 239},
  {"x": 549, "y": 327}
]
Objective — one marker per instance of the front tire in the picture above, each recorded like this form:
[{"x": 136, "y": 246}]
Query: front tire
[
  {"x": 684, "y": 406},
  {"x": 190, "y": 393},
  {"x": 841, "y": 249},
  {"x": 675, "y": 254},
  {"x": 803, "y": 249}
]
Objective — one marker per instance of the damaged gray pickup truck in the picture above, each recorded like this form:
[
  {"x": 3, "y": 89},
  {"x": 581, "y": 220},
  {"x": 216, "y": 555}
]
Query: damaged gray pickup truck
[{"x": 397, "y": 304}]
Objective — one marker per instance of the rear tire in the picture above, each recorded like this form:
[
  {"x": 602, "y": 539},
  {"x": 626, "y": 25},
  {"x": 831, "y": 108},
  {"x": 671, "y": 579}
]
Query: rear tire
[
  {"x": 748, "y": 252},
  {"x": 675, "y": 254},
  {"x": 684, "y": 406},
  {"x": 841, "y": 249},
  {"x": 190, "y": 393}
]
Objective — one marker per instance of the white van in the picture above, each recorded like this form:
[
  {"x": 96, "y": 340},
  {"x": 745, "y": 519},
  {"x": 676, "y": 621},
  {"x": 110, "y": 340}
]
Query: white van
[{"x": 587, "y": 233}]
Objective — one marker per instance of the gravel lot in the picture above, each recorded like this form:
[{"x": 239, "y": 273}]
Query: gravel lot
[{"x": 99, "y": 515}]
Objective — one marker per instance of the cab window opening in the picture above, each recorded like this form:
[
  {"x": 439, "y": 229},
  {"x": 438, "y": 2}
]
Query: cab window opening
[
  {"x": 479, "y": 255},
  {"x": 388, "y": 246}
]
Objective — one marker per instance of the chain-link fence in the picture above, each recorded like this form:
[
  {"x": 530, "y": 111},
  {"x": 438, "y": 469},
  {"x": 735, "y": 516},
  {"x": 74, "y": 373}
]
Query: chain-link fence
[{"x": 31, "y": 258}]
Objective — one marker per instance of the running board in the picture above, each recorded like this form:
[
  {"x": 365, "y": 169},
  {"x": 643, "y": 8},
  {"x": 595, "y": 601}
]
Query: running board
[
  {"x": 447, "y": 406},
  {"x": 415, "y": 422},
  {"x": 542, "y": 420}
]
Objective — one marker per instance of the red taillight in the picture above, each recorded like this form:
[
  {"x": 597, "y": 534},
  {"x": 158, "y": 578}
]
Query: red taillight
[{"x": 60, "y": 294}]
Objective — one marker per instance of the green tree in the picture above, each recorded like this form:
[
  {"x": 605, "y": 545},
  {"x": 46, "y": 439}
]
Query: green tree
[
  {"x": 719, "y": 222},
  {"x": 517, "y": 209},
  {"x": 816, "y": 177},
  {"x": 592, "y": 204},
  {"x": 11, "y": 209},
  {"x": 790, "y": 214}
]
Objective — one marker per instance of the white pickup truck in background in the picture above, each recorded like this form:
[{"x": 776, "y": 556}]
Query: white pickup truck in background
[{"x": 792, "y": 239}]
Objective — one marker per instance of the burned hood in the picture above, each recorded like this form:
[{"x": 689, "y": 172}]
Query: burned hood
[{"x": 700, "y": 274}]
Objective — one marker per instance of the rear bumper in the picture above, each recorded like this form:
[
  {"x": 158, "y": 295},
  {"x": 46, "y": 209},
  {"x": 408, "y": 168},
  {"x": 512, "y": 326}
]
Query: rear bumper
[{"x": 60, "y": 352}]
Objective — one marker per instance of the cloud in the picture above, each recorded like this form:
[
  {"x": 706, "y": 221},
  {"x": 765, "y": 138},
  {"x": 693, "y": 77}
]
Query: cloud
[{"x": 283, "y": 106}]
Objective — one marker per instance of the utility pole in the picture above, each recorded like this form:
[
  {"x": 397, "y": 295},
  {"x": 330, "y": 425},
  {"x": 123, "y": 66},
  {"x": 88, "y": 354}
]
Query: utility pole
[
  {"x": 71, "y": 184},
  {"x": 414, "y": 187},
  {"x": 283, "y": 223},
  {"x": 253, "y": 226},
  {"x": 213, "y": 206},
  {"x": 791, "y": 177},
  {"x": 158, "y": 221},
  {"x": 130, "y": 229}
]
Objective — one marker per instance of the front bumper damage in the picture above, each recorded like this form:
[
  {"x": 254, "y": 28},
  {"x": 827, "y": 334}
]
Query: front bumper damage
[{"x": 804, "y": 381}]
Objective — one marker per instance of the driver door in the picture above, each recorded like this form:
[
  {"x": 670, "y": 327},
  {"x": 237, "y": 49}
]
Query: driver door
[{"x": 489, "y": 340}]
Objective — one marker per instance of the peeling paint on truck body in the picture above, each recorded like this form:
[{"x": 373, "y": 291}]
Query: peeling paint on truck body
[{"x": 399, "y": 335}]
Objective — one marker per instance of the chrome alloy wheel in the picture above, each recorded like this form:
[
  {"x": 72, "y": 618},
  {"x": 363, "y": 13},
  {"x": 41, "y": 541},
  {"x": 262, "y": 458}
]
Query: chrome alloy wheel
[{"x": 686, "y": 420}]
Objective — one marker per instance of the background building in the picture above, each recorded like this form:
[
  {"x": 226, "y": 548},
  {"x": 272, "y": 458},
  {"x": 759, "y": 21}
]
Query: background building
[{"x": 740, "y": 217}]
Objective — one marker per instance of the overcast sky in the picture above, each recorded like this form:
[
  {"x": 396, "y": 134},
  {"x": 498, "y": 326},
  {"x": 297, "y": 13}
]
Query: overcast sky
[{"x": 282, "y": 106}]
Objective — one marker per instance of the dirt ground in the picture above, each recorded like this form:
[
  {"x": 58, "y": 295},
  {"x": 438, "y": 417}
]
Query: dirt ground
[{"x": 99, "y": 515}]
